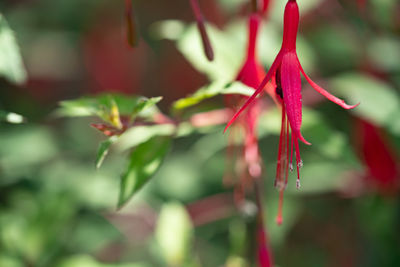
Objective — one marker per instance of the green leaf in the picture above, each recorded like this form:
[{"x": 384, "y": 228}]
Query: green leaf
[
  {"x": 11, "y": 66},
  {"x": 174, "y": 233},
  {"x": 103, "y": 150},
  {"x": 388, "y": 57},
  {"x": 11, "y": 117},
  {"x": 211, "y": 90},
  {"x": 108, "y": 106},
  {"x": 141, "y": 134},
  {"x": 81, "y": 107},
  {"x": 379, "y": 102},
  {"x": 143, "y": 104},
  {"x": 144, "y": 162}
]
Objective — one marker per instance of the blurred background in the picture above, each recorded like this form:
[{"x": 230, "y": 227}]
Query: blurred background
[{"x": 56, "y": 209}]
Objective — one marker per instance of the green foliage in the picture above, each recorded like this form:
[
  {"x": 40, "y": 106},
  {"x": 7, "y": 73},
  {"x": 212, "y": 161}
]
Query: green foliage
[
  {"x": 211, "y": 90},
  {"x": 174, "y": 234},
  {"x": 88, "y": 261},
  {"x": 144, "y": 161},
  {"x": 379, "y": 102},
  {"x": 141, "y": 134},
  {"x": 109, "y": 107},
  {"x": 103, "y": 150},
  {"x": 112, "y": 109},
  {"x": 58, "y": 210},
  {"x": 11, "y": 117},
  {"x": 11, "y": 66}
]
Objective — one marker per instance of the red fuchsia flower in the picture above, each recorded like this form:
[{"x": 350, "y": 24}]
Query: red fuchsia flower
[
  {"x": 132, "y": 36},
  {"x": 380, "y": 160},
  {"x": 286, "y": 70},
  {"x": 208, "y": 50},
  {"x": 264, "y": 256},
  {"x": 251, "y": 75}
]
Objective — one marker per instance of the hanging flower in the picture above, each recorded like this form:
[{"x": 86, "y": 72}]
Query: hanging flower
[
  {"x": 380, "y": 160},
  {"x": 286, "y": 70},
  {"x": 208, "y": 50},
  {"x": 250, "y": 74}
]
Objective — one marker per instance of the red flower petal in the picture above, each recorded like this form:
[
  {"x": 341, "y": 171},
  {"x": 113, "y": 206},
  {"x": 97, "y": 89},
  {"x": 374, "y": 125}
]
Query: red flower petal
[
  {"x": 260, "y": 88},
  {"x": 291, "y": 85},
  {"x": 325, "y": 93}
]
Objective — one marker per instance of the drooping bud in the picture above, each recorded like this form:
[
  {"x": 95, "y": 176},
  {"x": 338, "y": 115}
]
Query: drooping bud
[
  {"x": 254, "y": 6},
  {"x": 132, "y": 34},
  {"x": 208, "y": 50}
]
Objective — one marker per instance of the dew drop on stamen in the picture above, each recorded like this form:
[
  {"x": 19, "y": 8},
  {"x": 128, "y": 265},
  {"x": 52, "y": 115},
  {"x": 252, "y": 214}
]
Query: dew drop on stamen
[
  {"x": 300, "y": 164},
  {"x": 298, "y": 185},
  {"x": 280, "y": 185},
  {"x": 291, "y": 167}
]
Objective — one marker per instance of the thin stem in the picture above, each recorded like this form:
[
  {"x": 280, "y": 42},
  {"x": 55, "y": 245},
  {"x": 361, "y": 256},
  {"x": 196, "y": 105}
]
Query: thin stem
[
  {"x": 254, "y": 6},
  {"x": 132, "y": 36},
  {"x": 208, "y": 50},
  {"x": 263, "y": 251}
]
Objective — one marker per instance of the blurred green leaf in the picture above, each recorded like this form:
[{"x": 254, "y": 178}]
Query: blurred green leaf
[
  {"x": 11, "y": 66},
  {"x": 144, "y": 161},
  {"x": 103, "y": 150},
  {"x": 10, "y": 261},
  {"x": 92, "y": 233},
  {"x": 88, "y": 261},
  {"x": 23, "y": 148},
  {"x": 211, "y": 90},
  {"x": 378, "y": 101},
  {"x": 11, "y": 117},
  {"x": 172, "y": 178},
  {"x": 140, "y": 134},
  {"x": 167, "y": 29},
  {"x": 238, "y": 237},
  {"x": 384, "y": 53},
  {"x": 174, "y": 233},
  {"x": 143, "y": 104},
  {"x": 235, "y": 261},
  {"x": 107, "y": 106}
]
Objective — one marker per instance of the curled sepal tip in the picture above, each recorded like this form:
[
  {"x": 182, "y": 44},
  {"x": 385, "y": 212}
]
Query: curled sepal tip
[{"x": 325, "y": 93}]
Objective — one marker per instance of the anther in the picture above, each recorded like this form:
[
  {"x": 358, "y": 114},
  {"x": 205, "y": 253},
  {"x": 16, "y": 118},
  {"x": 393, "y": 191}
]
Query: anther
[
  {"x": 300, "y": 164},
  {"x": 298, "y": 185},
  {"x": 291, "y": 167}
]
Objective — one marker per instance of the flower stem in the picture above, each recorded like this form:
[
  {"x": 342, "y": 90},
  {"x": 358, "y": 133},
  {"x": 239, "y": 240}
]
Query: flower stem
[{"x": 254, "y": 6}]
